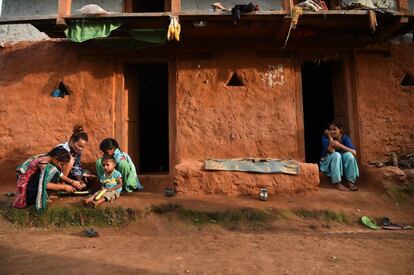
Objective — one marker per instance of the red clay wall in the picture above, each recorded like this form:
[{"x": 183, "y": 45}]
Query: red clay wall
[
  {"x": 386, "y": 110},
  {"x": 256, "y": 120},
  {"x": 31, "y": 121},
  {"x": 217, "y": 121}
]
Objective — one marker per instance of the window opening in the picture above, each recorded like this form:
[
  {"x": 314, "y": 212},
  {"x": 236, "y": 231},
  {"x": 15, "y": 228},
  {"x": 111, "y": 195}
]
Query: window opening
[
  {"x": 60, "y": 91},
  {"x": 407, "y": 80},
  {"x": 235, "y": 80}
]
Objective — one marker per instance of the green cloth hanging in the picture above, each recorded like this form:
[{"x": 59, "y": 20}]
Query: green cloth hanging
[
  {"x": 152, "y": 36},
  {"x": 86, "y": 30},
  {"x": 140, "y": 38}
]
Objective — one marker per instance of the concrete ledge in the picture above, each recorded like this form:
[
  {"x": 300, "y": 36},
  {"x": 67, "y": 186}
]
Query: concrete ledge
[{"x": 192, "y": 178}]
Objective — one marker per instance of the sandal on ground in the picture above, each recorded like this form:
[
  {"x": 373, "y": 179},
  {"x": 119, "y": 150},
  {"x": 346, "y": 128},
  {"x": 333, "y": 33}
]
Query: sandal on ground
[
  {"x": 351, "y": 186},
  {"x": 340, "y": 187}
]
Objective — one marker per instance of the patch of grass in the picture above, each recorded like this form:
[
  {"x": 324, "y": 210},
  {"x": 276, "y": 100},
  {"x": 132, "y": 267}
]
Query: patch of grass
[
  {"x": 401, "y": 193},
  {"x": 322, "y": 215},
  {"x": 164, "y": 208},
  {"x": 69, "y": 216},
  {"x": 232, "y": 219}
]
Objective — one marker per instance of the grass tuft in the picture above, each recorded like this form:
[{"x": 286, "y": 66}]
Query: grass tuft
[
  {"x": 232, "y": 219},
  {"x": 323, "y": 215},
  {"x": 69, "y": 216},
  {"x": 164, "y": 208}
]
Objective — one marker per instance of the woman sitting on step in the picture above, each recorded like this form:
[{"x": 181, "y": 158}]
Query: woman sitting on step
[
  {"x": 124, "y": 164},
  {"x": 338, "y": 158}
]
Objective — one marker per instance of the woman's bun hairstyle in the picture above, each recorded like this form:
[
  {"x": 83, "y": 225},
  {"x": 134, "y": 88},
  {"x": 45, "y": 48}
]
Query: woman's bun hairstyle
[{"x": 78, "y": 134}]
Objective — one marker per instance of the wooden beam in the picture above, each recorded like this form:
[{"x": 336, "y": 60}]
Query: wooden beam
[
  {"x": 64, "y": 9},
  {"x": 391, "y": 29}
]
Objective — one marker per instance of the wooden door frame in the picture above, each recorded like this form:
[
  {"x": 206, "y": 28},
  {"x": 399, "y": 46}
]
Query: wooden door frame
[
  {"x": 348, "y": 63},
  {"x": 120, "y": 117}
]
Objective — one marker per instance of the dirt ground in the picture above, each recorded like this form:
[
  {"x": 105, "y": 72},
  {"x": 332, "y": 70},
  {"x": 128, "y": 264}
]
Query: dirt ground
[{"x": 163, "y": 244}]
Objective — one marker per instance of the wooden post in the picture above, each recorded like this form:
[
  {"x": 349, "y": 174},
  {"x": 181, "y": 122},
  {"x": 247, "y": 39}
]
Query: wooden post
[
  {"x": 175, "y": 7},
  {"x": 64, "y": 9},
  {"x": 403, "y": 6}
]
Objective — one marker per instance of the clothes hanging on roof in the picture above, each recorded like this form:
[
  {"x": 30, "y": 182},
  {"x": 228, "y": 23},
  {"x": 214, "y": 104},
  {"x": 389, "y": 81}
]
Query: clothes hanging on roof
[
  {"x": 85, "y": 30},
  {"x": 237, "y": 10},
  {"x": 140, "y": 38}
]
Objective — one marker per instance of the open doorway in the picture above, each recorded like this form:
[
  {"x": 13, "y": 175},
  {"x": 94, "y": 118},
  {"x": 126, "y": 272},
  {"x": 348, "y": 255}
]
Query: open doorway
[
  {"x": 324, "y": 99},
  {"x": 148, "y": 136}
]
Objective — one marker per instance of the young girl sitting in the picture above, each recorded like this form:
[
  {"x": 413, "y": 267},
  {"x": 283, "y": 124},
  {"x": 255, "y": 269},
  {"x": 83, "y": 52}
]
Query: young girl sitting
[
  {"x": 111, "y": 181},
  {"x": 38, "y": 174},
  {"x": 338, "y": 158},
  {"x": 124, "y": 164}
]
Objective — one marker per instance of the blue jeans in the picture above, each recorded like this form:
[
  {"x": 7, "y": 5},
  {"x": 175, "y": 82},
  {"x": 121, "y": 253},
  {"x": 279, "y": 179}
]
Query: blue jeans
[{"x": 336, "y": 165}]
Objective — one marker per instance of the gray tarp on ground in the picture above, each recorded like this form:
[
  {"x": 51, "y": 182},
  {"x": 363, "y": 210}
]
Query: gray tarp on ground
[{"x": 266, "y": 166}]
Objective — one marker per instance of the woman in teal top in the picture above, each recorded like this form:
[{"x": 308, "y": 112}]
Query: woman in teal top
[
  {"x": 124, "y": 164},
  {"x": 338, "y": 158}
]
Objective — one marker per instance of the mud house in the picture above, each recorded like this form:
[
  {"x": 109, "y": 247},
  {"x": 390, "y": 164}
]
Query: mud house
[{"x": 229, "y": 88}]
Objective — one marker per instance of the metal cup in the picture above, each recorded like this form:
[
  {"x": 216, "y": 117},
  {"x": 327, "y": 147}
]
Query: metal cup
[{"x": 263, "y": 194}]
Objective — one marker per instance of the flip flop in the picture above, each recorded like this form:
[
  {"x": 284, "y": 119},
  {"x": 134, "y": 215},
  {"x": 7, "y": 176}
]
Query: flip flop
[
  {"x": 369, "y": 223},
  {"x": 393, "y": 226},
  {"x": 91, "y": 233}
]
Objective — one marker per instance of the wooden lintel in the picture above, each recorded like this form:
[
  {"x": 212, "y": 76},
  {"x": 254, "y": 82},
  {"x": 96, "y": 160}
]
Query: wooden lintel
[{"x": 64, "y": 10}]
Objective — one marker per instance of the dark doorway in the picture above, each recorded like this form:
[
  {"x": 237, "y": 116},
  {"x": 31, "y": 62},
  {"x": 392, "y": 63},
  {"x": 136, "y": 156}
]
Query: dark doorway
[
  {"x": 148, "y": 142},
  {"x": 318, "y": 105}
]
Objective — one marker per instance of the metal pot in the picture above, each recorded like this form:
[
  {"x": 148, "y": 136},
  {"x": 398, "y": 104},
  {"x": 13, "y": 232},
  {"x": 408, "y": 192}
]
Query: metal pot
[
  {"x": 169, "y": 192},
  {"x": 263, "y": 194}
]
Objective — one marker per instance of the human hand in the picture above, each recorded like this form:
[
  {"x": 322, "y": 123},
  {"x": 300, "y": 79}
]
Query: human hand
[
  {"x": 326, "y": 132},
  {"x": 69, "y": 188},
  {"x": 77, "y": 184},
  {"x": 335, "y": 143}
]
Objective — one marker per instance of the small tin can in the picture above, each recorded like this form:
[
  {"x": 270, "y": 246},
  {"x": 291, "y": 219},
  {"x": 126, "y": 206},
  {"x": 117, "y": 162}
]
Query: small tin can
[
  {"x": 169, "y": 192},
  {"x": 263, "y": 194}
]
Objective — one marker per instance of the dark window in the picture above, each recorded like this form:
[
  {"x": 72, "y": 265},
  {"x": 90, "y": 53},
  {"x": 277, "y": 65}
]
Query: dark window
[
  {"x": 235, "y": 80},
  {"x": 407, "y": 80}
]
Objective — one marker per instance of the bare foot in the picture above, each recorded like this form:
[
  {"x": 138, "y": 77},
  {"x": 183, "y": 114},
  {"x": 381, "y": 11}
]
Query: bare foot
[
  {"x": 351, "y": 186},
  {"x": 340, "y": 187}
]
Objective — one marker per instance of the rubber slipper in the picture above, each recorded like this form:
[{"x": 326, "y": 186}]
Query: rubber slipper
[
  {"x": 90, "y": 232},
  {"x": 385, "y": 221},
  {"x": 393, "y": 226},
  {"x": 369, "y": 223}
]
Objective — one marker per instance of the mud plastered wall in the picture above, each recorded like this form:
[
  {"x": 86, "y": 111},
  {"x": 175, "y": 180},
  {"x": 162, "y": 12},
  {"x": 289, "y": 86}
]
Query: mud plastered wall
[
  {"x": 33, "y": 122},
  {"x": 386, "y": 109},
  {"x": 257, "y": 119}
]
